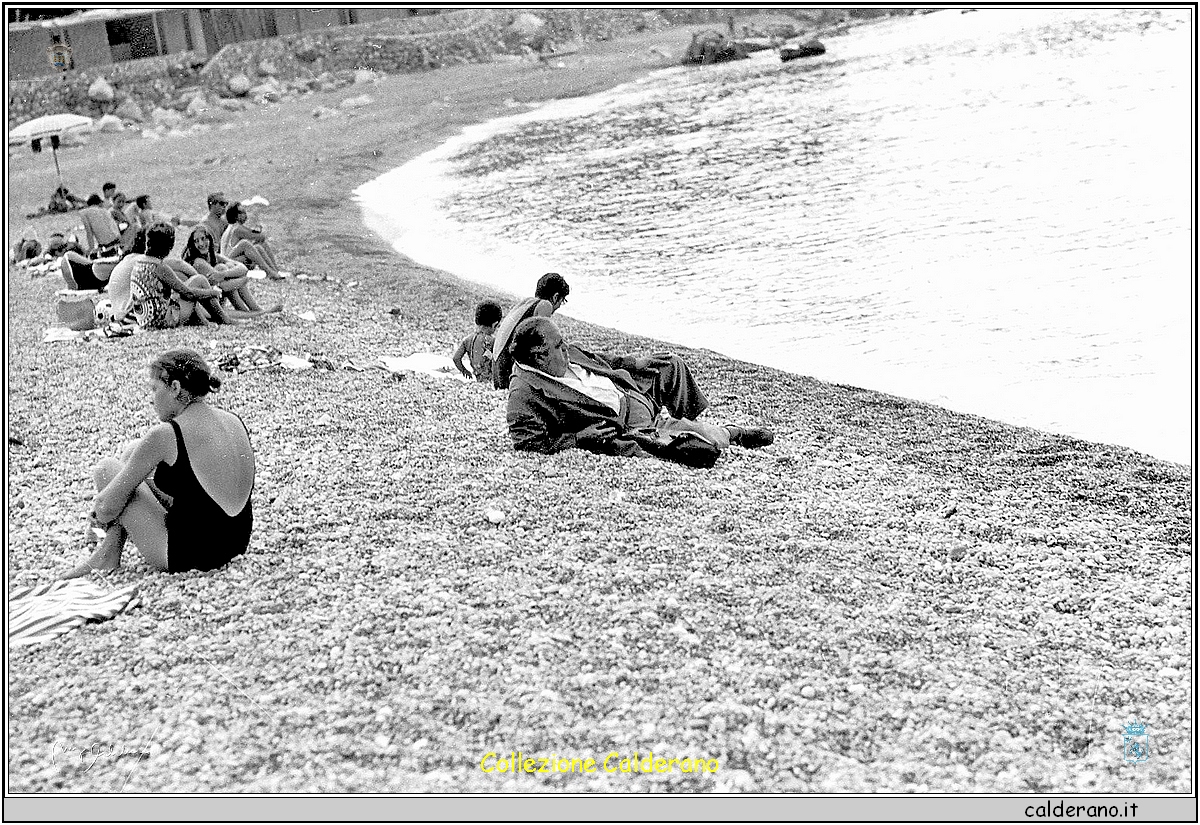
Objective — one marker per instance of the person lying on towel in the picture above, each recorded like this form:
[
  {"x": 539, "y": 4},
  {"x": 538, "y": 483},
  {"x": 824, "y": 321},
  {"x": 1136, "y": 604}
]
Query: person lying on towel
[{"x": 564, "y": 396}]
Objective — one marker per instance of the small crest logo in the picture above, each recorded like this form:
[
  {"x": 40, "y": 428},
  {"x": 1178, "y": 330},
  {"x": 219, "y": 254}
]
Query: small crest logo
[
  {"x": 60, "y": 55},
  {"x": 1137, "y": 742}
]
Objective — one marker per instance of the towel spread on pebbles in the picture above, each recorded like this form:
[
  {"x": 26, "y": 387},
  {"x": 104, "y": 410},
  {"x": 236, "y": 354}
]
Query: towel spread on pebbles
[{"x": 39, "y": 614}]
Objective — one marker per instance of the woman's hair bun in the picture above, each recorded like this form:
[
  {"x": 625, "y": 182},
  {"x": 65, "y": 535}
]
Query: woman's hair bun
[{"x": 188, "y": 368}]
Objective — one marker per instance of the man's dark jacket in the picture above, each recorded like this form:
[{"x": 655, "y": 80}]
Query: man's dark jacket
[{"x": 544, "y": 415}]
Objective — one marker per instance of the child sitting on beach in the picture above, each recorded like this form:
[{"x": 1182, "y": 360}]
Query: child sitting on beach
[{"x": 478, "y": 345}]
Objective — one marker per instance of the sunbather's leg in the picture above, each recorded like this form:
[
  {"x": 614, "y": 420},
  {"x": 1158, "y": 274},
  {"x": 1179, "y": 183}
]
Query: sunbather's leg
[
  {"x": 143, "y": 520},
  {"x": 64, "y": 264},
  {"x": 247, "y": 251},
  {"x": 253, "y": 305},
  {"x": 268, "y": 253}
]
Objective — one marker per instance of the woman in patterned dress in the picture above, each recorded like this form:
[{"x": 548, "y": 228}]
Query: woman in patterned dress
[{"x": 144, "y": 289}]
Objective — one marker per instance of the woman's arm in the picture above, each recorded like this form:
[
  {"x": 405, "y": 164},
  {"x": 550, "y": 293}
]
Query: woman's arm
[
  {"x": 153, "y": 447},
  {"x": 457, "y": 357},
  {"x": 166, "y": 273},
  {"x": 201, "y": 267},
  {"x": 241, "y": 232}
]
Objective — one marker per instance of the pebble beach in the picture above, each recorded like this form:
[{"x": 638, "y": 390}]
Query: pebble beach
[{"x": 892, "y": 597}]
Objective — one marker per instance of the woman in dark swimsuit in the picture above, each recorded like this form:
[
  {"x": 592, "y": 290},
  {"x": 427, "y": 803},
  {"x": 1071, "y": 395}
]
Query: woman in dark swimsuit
[{"x": 182, "y": 492}]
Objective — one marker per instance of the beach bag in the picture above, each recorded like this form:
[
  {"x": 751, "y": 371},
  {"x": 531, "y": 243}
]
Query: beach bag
[{"x": 76, "y": 308}]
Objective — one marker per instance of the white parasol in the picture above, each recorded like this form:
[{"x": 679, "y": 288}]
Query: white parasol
[{"x": 50, "y": 126}]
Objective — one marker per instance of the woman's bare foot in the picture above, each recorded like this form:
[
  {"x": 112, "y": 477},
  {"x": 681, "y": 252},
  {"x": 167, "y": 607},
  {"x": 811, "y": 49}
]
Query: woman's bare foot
[{"x": 106, "y": 557}]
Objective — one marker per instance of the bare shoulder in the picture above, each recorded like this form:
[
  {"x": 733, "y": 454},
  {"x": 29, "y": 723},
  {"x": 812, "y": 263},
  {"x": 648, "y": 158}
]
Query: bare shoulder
[
  {"x": 158, "y": 444},
  {"x": 232, "y": 423}
]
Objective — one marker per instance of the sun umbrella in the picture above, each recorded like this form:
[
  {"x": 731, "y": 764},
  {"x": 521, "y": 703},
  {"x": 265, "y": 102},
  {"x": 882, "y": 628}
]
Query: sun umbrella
[{"x": 49, "y": 126}]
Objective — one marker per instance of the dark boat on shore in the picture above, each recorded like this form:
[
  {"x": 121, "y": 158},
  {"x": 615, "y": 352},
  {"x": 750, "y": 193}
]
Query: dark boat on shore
[{"x": 792, "y": 52}]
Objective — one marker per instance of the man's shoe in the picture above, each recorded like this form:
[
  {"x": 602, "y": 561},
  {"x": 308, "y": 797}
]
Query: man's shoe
[{"x": 751, "y": 437}]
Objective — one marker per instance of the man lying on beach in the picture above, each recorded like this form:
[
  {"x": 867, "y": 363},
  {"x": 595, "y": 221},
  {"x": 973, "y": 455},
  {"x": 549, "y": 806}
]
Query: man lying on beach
[
  {"x": 550, "y": 294},
  {"x": 563, "y": 396}
]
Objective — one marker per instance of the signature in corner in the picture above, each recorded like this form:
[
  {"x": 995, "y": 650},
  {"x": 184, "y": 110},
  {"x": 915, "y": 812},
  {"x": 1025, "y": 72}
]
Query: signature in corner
[{"x": 89, "y": 756}]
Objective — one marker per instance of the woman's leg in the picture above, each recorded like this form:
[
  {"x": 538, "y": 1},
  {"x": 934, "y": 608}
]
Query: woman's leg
[
  {"x": 247, "y": 251},
  {"x": 248, "y": 299},
  {"x": 64, "y": 264},
  {"x": 268, "y": 253},
  {"x": 233, "y": 269},
  {"x": 233, "y": 284},
  {"x": 211, "y": 307},
  {"x": 143, "y": 520}
]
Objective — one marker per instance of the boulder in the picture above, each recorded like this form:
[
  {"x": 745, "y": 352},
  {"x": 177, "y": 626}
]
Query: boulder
[
  {"x": 239, "y": 85},
  {"x": 528, "y": 30},
  {"x": 110, "y": 123},
  {"x": 267, "y": 68},
  {"x": 266, "y": 91},
  {"x": 166, "y": 117},
  {"x": 709, "y": 47},
  {"x": 231, "y": 104},
  {"x": 197, "y": 105},
  {"x": 324, "y": 112},
  {"x": 307, "y": 53},
  {"x": 526, "y": 24},
  {"x": 101, "y": 91},
  {"x": 130, "y": 110},
  {"x": 364, "y": 76},
  {"x": 792, "y": 51},
  {"x": 357, "y": 102}
]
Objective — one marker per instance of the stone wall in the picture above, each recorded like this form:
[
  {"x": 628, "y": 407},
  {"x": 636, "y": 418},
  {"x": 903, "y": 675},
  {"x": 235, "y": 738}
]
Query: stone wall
[
  {"x": 152, "y": 81},
  {"x": 279, "y": 67}
]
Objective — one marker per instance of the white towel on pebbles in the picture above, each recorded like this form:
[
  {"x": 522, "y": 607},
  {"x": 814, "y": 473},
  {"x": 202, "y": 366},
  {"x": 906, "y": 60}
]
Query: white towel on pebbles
[{"x": 38, "y": 614}]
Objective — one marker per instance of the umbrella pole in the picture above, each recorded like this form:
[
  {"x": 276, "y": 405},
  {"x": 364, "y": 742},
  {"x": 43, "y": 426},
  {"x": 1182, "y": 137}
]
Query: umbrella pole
[{"x": 54, "y": 152}]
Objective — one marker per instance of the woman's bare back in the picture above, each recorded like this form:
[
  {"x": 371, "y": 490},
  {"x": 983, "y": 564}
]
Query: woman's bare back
[{"x": 220, "y": 453}]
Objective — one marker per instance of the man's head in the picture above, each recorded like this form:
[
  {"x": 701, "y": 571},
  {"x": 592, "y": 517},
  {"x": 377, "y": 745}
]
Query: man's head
[
  {"x": 94, "y": 200},
  {"x": 554, "y": 288},
  {"x": 119, "y": 200},
  {"x": 489, "y": 314},
  {"x": 143, "y": 201},
  {"x": 217, "y": 203},
  {"x": 109, "y": 189},
  {"x": 537, "y": 343},
  {"x": 160, "y": 239}
]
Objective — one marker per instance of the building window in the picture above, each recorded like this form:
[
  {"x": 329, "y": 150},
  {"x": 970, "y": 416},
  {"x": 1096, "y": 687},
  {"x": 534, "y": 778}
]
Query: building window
[
  {"x": 188, "y": 42},
  {"x": 132, "y": 38}
]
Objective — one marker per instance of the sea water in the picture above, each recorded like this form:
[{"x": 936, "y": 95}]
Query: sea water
[{"x": 987, "y": 211}]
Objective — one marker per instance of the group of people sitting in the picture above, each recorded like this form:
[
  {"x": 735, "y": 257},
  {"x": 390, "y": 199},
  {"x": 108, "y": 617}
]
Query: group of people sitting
[
  {"x": 130, "y": 259},
  {"x": 182, "y": 492}
]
